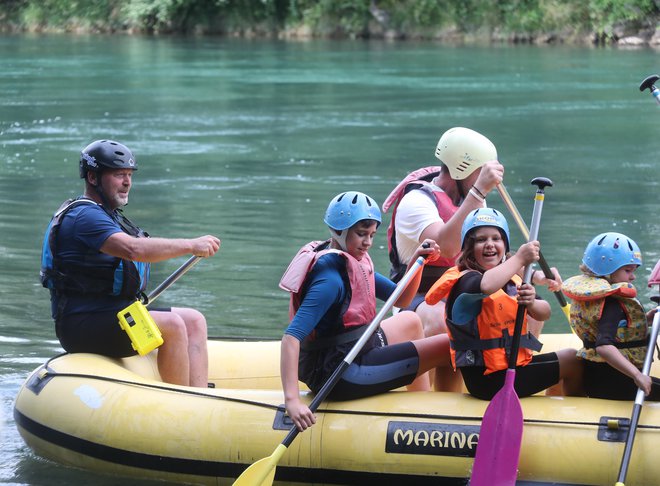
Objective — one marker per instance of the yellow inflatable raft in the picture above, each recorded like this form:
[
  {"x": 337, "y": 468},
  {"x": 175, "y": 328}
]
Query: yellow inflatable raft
[{"x": 116, "y": 416}]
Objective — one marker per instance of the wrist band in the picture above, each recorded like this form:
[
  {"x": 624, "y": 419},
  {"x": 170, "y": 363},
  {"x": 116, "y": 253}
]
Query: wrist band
[
  {"x": 479, "y": 192},
  {"x": 474, "y": 194}
]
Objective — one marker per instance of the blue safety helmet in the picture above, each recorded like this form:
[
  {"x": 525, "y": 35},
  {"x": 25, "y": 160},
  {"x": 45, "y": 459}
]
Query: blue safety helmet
[
  {"x": 485, "y": 217},
  {"x": 348, "y": 208},
  {"x": 608, "y": 252}
]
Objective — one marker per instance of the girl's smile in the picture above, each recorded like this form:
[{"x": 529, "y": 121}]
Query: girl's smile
[{"x": 489, "y": 247}]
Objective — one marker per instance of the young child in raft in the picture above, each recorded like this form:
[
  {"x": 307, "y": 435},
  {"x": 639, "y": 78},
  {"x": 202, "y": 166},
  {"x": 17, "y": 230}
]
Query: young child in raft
[
  {"x": 483, "y": 293},
  {"x": 610, "y": 321},
  {"x": 334, "y": 288}
]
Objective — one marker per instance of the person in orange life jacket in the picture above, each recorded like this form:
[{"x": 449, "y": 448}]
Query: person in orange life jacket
[
  {"x": 483, "y": 292},
  {"x": 96, "y": 262},
  {"x": 611, "y": 322},
  {"x": 334, "y": 288},
  {"x": 433, "y": 202}
]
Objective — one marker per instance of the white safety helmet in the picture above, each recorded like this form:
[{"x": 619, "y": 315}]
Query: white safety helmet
[{"x": 463, "y": 151}]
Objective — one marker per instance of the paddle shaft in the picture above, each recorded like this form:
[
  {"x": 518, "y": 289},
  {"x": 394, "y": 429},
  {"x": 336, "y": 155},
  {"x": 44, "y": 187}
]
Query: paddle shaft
[
  {"x": 500, "y": 435},
  {"x": 178, "y": 273},
  {"x": 508, "y": 202},
  {"x": 357, "y": 347},
  {"x": 639, "y": 401},
  {"x": 648, "y": 83},
  {"x": 527, "y": 277}
]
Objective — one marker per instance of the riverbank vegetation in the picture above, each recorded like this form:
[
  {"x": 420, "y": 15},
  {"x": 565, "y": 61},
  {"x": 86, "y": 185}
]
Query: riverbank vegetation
[{"x": 534, "y": 21}]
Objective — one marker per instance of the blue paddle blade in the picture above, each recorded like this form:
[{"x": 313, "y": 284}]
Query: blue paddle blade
[{"x": 466, "y": 308}]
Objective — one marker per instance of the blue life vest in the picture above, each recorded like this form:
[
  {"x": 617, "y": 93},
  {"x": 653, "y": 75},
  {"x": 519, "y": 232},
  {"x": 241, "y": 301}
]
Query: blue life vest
[{"x": 124, "y": 279}]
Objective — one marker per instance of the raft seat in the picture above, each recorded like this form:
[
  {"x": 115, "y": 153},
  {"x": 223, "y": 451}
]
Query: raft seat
[{"x": 144, "y": 366}]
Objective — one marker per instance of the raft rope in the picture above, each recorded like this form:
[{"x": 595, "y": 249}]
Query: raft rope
[{"x": 280, "y": 408}]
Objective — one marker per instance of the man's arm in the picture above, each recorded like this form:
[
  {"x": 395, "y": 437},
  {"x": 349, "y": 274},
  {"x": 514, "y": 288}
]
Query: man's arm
[
  {"x": 153, "y": 250},
  {"x": 448, "y": 234}
]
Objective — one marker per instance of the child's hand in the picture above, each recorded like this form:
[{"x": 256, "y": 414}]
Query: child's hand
[
  {"x": 529, "y": 252},
  {"x": 650, "y": 314},
  {"x": 432, "y": 251},
  {"x": 644, "y": 382},
  {"x": 526, "y": 294},
  {"x": 554, "y": 285}
]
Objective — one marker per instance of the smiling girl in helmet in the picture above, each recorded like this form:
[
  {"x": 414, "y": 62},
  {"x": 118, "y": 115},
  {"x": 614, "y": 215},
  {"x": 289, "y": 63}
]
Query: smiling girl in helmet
[
  {"x": 334, "y": 288},
  {"x": 483, "y": 292},
  {"x": 609, "y": 319}
]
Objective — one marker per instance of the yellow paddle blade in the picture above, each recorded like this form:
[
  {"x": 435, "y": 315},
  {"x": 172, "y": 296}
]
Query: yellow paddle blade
[{"x": 262, "y": 472}]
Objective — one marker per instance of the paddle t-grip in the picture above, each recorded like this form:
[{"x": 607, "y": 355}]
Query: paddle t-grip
[
  {"x": 541, "y": 182},
  {"x": 649, "y": 83}
]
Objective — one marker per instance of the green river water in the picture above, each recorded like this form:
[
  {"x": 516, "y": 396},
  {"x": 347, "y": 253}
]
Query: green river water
[{"x": 249, "y": 140}]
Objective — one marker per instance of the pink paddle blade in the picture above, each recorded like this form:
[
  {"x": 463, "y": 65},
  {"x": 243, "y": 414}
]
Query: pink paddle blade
[
  {"x": 655, "y": 275},
  {"x": 500, "y": 437}
]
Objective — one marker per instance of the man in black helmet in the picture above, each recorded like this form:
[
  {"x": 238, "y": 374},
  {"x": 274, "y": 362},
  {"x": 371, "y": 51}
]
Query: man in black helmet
[{"x": 96, "y": 262}]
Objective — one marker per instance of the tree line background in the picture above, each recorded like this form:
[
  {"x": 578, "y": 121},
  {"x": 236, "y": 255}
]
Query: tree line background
[{"x": 597, "y": 21}]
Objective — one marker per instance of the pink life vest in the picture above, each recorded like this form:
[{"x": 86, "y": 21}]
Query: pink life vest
[
  {"x": 419, "y": 179},
  {"x": 362, "y": 306}
]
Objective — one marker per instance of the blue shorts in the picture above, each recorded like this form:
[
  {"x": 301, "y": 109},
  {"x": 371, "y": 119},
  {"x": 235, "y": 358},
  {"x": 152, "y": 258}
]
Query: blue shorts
[{"x": 379, "y": 370}]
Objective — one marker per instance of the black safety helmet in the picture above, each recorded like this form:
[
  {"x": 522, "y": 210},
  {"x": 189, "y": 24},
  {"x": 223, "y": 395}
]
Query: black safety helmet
[{"x": 105, "y": 154}]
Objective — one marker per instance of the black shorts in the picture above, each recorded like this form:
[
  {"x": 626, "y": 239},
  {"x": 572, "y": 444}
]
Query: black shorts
[
  {"x": 603, "y": 381},
  {"x": 379, "y": 370},
  {"x": 540, "y": 373},
  {"x": 95, "y": 332}
]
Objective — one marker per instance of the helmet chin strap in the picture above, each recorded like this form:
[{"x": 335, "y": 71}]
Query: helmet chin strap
[
  {"x": 98, "y": 188},
  {"x": 461, "y": 190},
  {"x": 339, "y": 237}
]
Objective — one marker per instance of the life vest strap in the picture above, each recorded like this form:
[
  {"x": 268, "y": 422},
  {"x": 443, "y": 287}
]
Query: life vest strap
[
  {"x": 332, "y": 341},
  {"x": 527, "y": 341}
]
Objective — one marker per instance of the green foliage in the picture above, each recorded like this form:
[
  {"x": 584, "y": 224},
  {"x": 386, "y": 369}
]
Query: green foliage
[
  {"x": 605, "y": 14},
  {"x": 66, "y": 14},
  {"x": 350, "y": 17},
  {"x": 354, "y": 18}
]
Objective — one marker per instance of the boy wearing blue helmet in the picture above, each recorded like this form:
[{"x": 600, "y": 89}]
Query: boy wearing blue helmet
[
  {"x": 610, "y": 321},
  {"x": 334, "y": 288},
  {"x": 483, "y": 292}
]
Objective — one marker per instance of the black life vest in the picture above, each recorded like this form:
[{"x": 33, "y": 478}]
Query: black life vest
[{"x": 124, "y": 278}]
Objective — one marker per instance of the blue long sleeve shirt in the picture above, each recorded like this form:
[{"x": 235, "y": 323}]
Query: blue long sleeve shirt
[{"x": 325, "y": 291}]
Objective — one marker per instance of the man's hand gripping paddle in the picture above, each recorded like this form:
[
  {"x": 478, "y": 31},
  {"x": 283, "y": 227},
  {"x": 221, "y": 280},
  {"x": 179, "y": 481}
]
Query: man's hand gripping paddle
[
  {"x": 262, "y": 472},
  {"x": 500, "y": 437},
  {"x": 646, "y": 369}
]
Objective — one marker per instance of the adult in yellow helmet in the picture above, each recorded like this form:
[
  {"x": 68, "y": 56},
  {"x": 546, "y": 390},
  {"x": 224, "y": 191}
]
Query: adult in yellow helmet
[{"x": 432, "y": 202}]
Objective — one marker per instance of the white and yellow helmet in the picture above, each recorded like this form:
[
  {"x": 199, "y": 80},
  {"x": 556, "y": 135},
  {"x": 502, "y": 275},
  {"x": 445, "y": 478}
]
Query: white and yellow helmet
[{"x": 463, "y": 151}]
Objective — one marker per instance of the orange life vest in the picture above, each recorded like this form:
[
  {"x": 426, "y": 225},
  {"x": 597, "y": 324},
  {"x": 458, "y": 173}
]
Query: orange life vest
[{"x": 485, "y": 339}]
